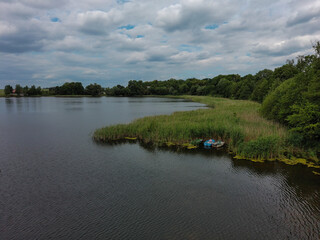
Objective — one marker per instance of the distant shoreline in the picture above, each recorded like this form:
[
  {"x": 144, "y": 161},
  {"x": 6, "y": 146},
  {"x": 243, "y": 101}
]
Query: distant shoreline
[{"x": 50, "y": 96}]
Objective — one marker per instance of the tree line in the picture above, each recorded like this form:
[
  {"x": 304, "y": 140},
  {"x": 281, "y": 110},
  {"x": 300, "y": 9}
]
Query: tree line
[
  {"x": 22, "y": 91},
  {"x": 253, "y": 87},
  {"x": 70, "y": 88},
  {"x": 296, "y": 101}
]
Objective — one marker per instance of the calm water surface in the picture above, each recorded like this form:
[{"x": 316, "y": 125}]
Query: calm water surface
[{"x": 56, "y": 183}]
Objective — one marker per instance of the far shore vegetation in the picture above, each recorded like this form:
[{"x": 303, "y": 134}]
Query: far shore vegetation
[
  {"x": 70, "y": 89},
  {"x": 269, "y": 115}
]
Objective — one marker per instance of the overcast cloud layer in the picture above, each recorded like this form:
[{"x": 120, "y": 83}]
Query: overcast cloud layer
[{"x": 47, "y": 43}]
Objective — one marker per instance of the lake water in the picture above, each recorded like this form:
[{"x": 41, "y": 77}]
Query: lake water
[{"x": 56, "y": 183}]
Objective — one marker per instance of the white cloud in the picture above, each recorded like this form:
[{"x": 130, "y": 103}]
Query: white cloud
[
  {"x": 194, "y": 14},
  {"x": 50, "y": 41},
  {"x": 98, "y": 22},
  {"x": 7, "y": 28}
]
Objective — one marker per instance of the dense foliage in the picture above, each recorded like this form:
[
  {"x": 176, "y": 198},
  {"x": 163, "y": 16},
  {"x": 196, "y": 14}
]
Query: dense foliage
[
  {"x": 19, "y": 91},
  {"x": 69, "y": 88},
  {"x": 93, "y": 90},
  {"x": 7, "y": 90},
  {"x": 252, "y": 87},
  {"x": 296, "y": 101}
]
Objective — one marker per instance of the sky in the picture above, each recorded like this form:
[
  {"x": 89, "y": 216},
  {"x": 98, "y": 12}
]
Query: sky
[{"x": 47, "y": 43}]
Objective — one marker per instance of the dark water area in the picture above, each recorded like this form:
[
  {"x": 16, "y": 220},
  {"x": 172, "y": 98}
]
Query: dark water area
[{"x": 56, "y": 183}]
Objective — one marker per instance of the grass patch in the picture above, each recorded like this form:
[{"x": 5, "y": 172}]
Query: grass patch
[
  {"x": 2, "y": 93},
  {"x": 237, "y": 122}
]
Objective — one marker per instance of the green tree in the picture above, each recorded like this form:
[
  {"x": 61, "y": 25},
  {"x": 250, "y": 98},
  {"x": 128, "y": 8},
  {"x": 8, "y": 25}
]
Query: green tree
[
  {"x": 161, "y": 91},
  {"x": 260, "y": 91},
  {"x": 173, "y": 91},
  {"x": 71, "y": 88},
  {"x": 263, "y": 74},
  {"x": 32, "y": 91},
  {"x": 25, "y": 90},
  {"x": 18, "y": 89},
  {"x": 202, "y": 90},
  {"x": 224, "y": 88},
  {"x": 296, "y": 101},
  {"x": 7, "y": 90},
  {"x": 277, "y": 105},
  {"x": 119, "y": 90},
  {"x": 136, "y": 87},
  {"x": 193, "y": 89},
  {"x": 93, "y": 90},
  {"x": 183, "y": 88},
  {"x": 306, "y": 120},
  {"x": 38, "y": 91},
  {"x": 244, "y": 91}
]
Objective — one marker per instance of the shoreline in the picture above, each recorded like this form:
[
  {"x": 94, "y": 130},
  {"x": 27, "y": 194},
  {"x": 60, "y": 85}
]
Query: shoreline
[
  {"x": 247, "y": 135},
  {"x": 49, "y": 96},
  {"x": 253, "y": 147}
]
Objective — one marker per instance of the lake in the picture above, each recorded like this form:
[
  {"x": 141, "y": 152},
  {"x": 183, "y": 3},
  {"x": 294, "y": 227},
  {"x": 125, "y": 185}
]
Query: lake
[{"x": 56, "y": 183}]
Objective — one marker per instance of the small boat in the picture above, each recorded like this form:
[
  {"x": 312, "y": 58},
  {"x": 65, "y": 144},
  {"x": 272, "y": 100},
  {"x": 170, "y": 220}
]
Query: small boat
[
  {"x": 209, "y": 143},
  {"x": 218, "y": 144}
]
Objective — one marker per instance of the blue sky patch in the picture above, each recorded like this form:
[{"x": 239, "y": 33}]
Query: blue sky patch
[
  {"x": 127, "y": 27},
  {"x": 55, "y": 19},
  {"x": 140, "y": 36},
  {"x": 211, "y": 27}
]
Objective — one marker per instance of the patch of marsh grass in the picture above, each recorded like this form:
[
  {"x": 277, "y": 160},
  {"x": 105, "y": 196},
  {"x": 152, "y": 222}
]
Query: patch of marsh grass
[{"x": 237, "y": 122}]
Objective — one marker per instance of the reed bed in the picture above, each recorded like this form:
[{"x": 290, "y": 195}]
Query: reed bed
[{"x": 237, "y": 122}]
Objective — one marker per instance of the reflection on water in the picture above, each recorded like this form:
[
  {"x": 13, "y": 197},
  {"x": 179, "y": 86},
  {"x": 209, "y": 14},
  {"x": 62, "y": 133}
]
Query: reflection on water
[
  {"x": 9, "y": 104},
  {"x": 56, "y": 183}
]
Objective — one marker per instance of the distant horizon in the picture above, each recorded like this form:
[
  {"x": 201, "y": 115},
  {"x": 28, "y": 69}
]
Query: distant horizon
[
  {"x": 112, "y": 42},
  {"x": 126, "y": 83}
]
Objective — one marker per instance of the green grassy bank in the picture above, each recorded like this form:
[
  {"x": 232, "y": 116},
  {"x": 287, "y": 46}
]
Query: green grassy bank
[
  {"x": 2, "y": 93},
  {"x": 237, "y": 122}
]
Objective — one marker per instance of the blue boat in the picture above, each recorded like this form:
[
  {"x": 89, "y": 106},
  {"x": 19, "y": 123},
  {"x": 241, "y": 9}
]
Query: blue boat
[{"x": 209, "y": 143}]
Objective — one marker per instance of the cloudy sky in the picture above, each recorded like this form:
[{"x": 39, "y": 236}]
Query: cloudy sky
[{"x": 47, "y": 43}]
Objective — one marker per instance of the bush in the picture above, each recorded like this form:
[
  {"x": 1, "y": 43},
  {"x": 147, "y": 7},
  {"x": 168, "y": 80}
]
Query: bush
[
  {"x": 295, "y": 139},
  {"x": 263, "y": 147},
  {"x": 306, "y": 120}
]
